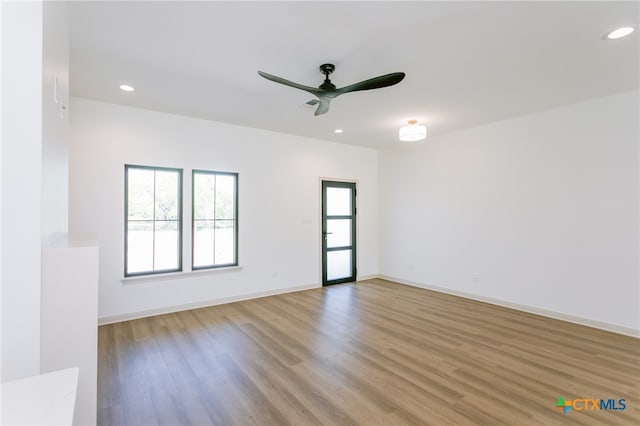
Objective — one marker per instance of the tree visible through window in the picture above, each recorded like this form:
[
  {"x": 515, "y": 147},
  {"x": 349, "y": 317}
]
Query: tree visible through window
[
  {"x": 215, "y": 219},
  {"x": 153, "y": 214}
]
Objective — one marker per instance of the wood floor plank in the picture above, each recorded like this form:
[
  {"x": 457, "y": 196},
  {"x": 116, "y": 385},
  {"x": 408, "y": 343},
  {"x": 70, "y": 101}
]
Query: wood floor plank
[{"x": 371, "y": 353}]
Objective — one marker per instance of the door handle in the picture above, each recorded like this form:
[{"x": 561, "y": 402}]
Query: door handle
[{"x": 326, "y": 233}]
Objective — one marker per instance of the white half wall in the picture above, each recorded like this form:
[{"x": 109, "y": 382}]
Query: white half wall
[
  {"x": 539, "y": 211},
  {"x": 279, "y": 202}
]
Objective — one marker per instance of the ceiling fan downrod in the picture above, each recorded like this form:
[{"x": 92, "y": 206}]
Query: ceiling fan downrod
[{"x": 327, "y": 69}]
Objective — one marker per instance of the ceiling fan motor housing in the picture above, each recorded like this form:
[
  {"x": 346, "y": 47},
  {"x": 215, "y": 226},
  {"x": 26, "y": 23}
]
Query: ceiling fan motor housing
[{"x": 327, "y": 69}]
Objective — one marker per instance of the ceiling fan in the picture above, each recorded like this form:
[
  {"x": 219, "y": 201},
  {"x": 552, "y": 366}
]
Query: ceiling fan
[{"x": 327, "y": 90}]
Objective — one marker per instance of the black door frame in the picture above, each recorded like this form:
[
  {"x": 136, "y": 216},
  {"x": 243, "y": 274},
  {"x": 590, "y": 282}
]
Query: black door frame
[{"x": 352, "y": 216}]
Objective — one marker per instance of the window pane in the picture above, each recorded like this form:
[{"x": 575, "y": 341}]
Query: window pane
[
  {"x": 167, "y": 199},
  {"x": 139, "y": 247},
  {"x": 338, "y": 233},
  {"x": 153, "y": 222},
  {"x": 140, "y": 194},
  {"x": 214, "y": 219},
  {"x": 203, "y": 195},
  {"x": 225, "y": 242},
  {"x": 203, "y": 243},
  {"x": 166, "y": 250},
  {"x": 338, "y": 201},
  {"x": 225, "y": 203},
  {"x": 338, "y": 264}
]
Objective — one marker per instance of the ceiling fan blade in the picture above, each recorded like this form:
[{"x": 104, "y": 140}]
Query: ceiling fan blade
[
  {"x": 312, "y": 102},
  {"x": 280, "y": 80},
  {"x": 373, "y": 83},
  {"x": 323, "y": 107}
]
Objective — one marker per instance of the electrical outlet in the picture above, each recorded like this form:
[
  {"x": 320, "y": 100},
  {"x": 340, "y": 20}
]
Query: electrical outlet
[{"x": 475, "y": 277}]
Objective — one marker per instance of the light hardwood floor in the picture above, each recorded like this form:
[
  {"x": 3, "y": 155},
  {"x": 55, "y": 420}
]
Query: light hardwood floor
[{"x": 372, "y": 353}]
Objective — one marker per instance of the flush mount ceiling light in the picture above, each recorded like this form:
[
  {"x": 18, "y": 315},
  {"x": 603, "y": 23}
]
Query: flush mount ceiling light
[
  {"x": 619, "y": 33},
  {"x": 413, "y": 132},
  {"x": 338, "y": 131},
  {"x": 127, "y": 88}
]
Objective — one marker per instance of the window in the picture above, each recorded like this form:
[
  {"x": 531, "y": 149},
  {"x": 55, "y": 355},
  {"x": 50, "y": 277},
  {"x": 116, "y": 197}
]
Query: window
[
  {"x": 215, "y": 219},
  {"x": 153, "y": 220}
]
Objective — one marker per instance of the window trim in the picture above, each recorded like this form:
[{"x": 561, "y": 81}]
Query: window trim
[
  {"x": 126, "y": 219},
  {"x": 235, "y": 219}
]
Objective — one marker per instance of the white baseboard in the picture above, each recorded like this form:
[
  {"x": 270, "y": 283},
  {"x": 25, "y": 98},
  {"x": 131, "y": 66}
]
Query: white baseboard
[
  {"x": 614, "y": 328},
  {"x": 367, "y": 277},
  {"x": 202, "y": 304}
]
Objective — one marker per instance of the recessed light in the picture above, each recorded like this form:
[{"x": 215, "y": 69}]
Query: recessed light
[
  {"x": 619, "y": 33},
  {"x": 127, "y": 88},
  {"x": 338, "y": 131}
]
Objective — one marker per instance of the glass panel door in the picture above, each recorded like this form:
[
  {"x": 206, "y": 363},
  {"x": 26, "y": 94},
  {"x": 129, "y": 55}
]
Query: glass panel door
[{"x": 338, "y": 232}]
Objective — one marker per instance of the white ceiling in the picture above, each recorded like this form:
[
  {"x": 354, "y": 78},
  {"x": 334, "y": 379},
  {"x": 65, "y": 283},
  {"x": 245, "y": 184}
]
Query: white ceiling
[{"x": 467, "y": 63}]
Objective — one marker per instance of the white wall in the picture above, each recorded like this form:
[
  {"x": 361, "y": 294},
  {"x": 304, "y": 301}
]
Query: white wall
[
  {"x": 1, "y": 143},
  {"x": 540, "y": 211},
  {"x": 21, "y": 187},
  {"x": 69, "y": 290},
  {"x": 55, "y": 120},
  {"x": 279, "y": 197}
]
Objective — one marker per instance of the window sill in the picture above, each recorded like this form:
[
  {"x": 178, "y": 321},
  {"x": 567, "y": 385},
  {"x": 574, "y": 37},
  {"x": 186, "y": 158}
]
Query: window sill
[{"x": 178, "y": 275}]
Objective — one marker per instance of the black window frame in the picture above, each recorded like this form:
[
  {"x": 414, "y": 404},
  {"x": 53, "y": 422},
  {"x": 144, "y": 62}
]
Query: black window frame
[
  {"x": 180, "y": 220},
  {"x": 235, "y": 219}
]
